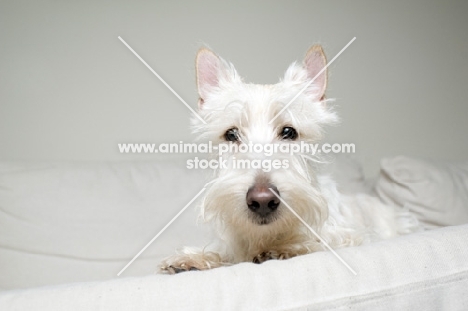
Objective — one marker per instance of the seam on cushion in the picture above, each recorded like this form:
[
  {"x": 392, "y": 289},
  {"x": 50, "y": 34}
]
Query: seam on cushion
[
  {"x": 395, "y": 291},
  {"x": 69, "y": 257}
]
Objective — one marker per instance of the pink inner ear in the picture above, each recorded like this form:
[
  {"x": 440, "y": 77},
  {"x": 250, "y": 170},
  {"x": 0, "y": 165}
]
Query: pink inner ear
[
  {"x": 207, "y": 72},
  {"x": 314, "y": 62}
]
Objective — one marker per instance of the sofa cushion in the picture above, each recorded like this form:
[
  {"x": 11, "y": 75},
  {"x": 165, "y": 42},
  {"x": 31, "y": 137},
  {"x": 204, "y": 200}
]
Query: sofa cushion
[
  {"x": 422, "y": 271},
  {"x": 66, "y": 222},
  {"x": 435, "y": 191}
]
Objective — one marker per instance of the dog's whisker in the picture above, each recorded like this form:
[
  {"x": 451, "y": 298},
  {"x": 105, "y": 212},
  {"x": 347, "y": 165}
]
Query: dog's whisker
[{"x": 305, "y": 167}]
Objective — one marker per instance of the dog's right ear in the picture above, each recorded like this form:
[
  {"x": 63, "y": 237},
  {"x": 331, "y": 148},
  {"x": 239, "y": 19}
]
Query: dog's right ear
[
  {"x": 315, "y": 62},
  {"x": 208, "y": 67}
]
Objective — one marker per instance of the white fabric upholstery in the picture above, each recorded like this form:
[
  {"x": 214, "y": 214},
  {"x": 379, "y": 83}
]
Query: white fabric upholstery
[
  {"x": 424, "y": 271},
  {"x": 68, "y": 222},
  {"x": 436, "y": 192}
]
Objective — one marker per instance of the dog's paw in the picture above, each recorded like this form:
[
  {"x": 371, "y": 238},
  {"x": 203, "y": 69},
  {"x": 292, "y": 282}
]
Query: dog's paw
[
  {"x": 193, "y": 261},
  {"x": 173, "y": 269},
  {"x": 260, "y": 258}
]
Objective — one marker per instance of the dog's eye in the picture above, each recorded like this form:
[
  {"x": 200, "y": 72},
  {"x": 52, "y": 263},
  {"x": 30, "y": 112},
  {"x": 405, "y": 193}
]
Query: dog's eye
[
  {"x": 288, "y": 133},
  {"x": 232, "y": 135}
]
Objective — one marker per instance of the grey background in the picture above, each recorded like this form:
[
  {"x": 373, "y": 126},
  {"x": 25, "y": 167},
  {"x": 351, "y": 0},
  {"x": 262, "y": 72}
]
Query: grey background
[{"x": 70, "y": 90}]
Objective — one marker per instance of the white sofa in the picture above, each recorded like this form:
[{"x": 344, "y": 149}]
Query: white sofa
[{"x": 67, "y": 229}]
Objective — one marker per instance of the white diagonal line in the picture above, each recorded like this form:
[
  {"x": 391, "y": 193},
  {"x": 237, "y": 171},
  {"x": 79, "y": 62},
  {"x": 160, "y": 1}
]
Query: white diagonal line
[
  {"x": 162, "y": 80},
  {"x": 160, "y": 232},
  {"x": 311, "y": 81},
  {"x": 313, "y": 231}
]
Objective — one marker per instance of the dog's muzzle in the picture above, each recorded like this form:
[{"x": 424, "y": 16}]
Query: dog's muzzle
[{"x": 262, "y": 201}]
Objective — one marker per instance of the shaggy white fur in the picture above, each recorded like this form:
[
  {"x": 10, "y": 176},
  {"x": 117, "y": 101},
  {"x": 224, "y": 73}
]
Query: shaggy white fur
[{"x": 241, "y": 113}]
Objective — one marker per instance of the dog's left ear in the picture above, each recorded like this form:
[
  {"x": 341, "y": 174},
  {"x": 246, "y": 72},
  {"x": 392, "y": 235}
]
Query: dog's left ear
[{"x": 314, "y": 62}]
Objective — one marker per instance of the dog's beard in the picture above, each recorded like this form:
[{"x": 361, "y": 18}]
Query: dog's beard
[
  {"x": 225, "y": 204},
  {"x": 260, "y": 220}
]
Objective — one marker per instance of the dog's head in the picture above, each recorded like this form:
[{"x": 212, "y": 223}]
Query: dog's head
[{"x": 243, "y": 198}]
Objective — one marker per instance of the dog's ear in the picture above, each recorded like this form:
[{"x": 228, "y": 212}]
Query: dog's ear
[
  {"x": 314, "y": 62},
  {"x": 208, "y": 67}
]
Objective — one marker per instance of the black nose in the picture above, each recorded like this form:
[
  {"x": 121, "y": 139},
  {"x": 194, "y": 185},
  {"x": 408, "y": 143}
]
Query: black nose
[{"x": 261, "y": 200}]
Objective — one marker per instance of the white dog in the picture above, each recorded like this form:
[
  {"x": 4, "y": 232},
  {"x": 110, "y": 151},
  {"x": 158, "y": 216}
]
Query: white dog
[{"x": 249, "y": 206}]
